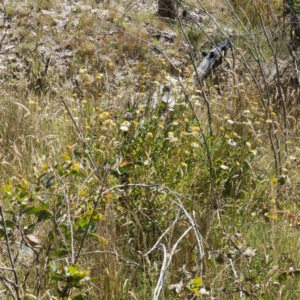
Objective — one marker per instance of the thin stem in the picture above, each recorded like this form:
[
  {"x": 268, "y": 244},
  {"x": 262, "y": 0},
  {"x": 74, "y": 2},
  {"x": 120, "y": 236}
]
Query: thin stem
[{"x": 13, "y": 267}]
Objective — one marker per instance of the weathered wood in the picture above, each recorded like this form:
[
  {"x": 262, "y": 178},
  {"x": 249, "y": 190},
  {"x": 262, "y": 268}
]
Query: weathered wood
[{"x": 213, "y": 58}]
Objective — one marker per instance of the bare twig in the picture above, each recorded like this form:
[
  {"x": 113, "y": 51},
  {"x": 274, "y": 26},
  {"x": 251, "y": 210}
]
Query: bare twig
[
  {"x": 161, "y": 237},
  {"x": 12, "y": 263},
  {"x": 165, "y": 265},
  {"x": 82, "y": 139}
]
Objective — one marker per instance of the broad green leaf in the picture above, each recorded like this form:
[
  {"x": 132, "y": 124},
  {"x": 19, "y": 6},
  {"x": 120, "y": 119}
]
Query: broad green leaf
[
  {"x": 22, "y": 195},
  {"x": 44, "y": 205},
  {"x": 30, "y": 229},
  {"x": 44, "y": 215},
  {"x": 32, "y": 210},
  {"x": 59, "y": 253},
  {"x": 83, "y": 227},
  {"x": 72, "y": 270},
  {"x": 39, "y": 212},
  {"x": 83, "y": 222},
  {"x": 2, "y": 234},
  {"x": 57, "y": 277},
  {"x": 9, "y": 224},
  {"x": 77, "y": 154}
]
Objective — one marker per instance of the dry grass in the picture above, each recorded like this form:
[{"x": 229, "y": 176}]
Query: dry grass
[{"x": 135, "y": 175}]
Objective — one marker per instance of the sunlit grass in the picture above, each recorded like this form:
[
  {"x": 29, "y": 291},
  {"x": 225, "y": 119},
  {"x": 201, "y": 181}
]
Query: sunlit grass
[{"x": 96, "y": 137}]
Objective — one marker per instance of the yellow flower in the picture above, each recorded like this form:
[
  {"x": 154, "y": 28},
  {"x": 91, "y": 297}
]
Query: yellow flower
[
  {"x": 195, "y": 145},
  {"x": 222, "y": 128},
  {"x": 74, "y": 95},
  {"x": 195, "y": 128},
  {"x": 76, "y": 167},
  {"x": 106, "y": 122},
  {"x": 274, "y": 180},
  {"x": 83, "y": 101},
  {"x": 183, "y": 133},
  {"x": 125, "y": 126},
  {"x": 183, "y": 164},
  {"x": 149, "y": 134}
]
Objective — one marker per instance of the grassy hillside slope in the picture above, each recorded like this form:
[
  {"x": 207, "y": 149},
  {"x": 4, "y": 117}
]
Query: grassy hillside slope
[{"x": 126, "y": 176}]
